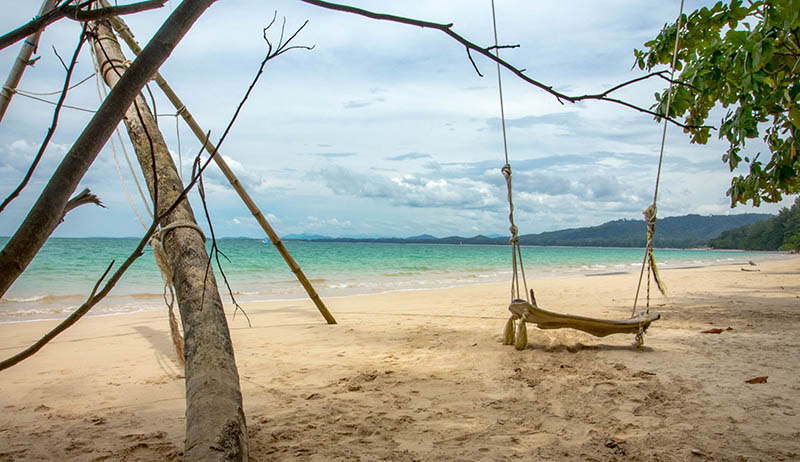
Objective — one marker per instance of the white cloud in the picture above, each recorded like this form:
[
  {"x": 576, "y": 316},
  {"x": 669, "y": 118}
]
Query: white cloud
[
  {"x": 20, "y": 146},
  {"x": 409, "y": 190},
  {"x": 328, "y": 223}
]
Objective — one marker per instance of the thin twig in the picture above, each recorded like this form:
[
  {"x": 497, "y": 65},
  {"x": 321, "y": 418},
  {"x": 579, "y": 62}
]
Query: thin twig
[
  {"x": 63, "y": 64},
  {"x": 215, "y": 251},
  {"x": 659, "y": 74},
  {"x": 273, "y": 51},
  {"x": 50, "y": 131}
]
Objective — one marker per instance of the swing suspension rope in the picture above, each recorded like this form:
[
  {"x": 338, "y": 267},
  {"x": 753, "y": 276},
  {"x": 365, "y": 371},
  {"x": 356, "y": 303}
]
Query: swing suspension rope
[
  {"x": 518, "y": 270},
  {"x": 518, "y": 280},
  {"x": 651, "y": 211}
]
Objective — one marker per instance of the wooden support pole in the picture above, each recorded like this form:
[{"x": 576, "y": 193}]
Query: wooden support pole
[
  {"x": 126, "y": 34},
  {"x": 22, "y": 61}
]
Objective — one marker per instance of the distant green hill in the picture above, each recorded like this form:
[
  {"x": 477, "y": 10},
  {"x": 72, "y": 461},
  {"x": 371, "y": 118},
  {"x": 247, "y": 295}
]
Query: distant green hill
[
  {"x": 779, "y": 232},
  {"x": 680, "y": 232}
]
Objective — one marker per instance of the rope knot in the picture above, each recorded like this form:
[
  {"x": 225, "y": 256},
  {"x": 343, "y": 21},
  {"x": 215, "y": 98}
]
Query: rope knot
[
  {"x": 650, "y": 217},
  {"x": 514, "y": 234},
  {"x": 650, "y": 213},
  {"x": 506, "y": 171}
]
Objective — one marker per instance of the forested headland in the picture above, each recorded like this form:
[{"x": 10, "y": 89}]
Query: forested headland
[{"x": 778, "y": 233}]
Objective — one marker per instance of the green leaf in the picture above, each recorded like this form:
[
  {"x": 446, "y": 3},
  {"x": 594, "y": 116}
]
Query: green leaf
[{"x": 794, "y": 116}]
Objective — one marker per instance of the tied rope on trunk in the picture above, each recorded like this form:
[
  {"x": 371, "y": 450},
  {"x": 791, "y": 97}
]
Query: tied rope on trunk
[{"x": 160, "y": 255}]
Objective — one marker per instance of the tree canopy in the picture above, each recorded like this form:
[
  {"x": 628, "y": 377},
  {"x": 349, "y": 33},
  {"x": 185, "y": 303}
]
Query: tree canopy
[{"x": 745, "y": 58}]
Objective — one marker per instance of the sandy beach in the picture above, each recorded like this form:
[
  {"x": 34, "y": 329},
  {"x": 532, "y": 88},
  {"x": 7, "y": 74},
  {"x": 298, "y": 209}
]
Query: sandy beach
[{"x": 423, "y": 376}]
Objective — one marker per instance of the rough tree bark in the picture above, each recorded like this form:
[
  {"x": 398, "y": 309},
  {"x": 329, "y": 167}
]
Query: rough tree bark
[
  {"x": 215, "y": 422},
  {"x": 46, "y": 213}
]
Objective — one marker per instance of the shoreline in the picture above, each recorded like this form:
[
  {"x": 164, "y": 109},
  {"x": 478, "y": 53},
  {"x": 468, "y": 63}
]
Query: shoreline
[
  {"x": 249, "y": 297},
  {"x": 423, "y": 375}
]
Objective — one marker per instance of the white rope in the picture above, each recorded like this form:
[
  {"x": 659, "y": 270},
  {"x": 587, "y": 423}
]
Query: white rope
[
  {"x": 52, "y": 103},
  {"x": 51, "y": 93},
  {"x": 500, "y": 84},
  {"x": 101, "y": 94},
  {"x": 650, "y": 211},
  {"x": 160, "y": 254},
  {"x": 516, "y": 252}
]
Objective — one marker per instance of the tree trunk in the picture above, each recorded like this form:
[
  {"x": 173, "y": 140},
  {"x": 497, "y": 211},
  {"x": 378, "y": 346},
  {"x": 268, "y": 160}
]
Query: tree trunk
[
  {"x": 22, "y": 62},
  {"x": 46, "y": 213},
  {"x": 215, "y": 422}
]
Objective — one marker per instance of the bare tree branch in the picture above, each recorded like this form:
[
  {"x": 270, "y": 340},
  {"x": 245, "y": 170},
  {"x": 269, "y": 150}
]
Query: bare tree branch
[
  {"x": 486, "y": 51},
  {"x": 76, "y": 12},
  {"x": 50, "y": 131},
  {"x": 84, "y": 197},
  {"x": 215, "y": 250},
  {"x": 273, "y": 51}
]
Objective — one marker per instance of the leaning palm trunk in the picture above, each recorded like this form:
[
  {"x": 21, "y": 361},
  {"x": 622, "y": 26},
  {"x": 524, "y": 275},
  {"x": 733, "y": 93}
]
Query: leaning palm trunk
[{"x": 215, "y": 423}]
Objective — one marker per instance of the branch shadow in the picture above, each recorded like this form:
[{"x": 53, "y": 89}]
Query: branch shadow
[{"x": 163, "y": 350}]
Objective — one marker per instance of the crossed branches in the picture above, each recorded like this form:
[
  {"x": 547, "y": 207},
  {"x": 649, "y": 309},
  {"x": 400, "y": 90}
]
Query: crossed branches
[{"x": 96, "y": 296}]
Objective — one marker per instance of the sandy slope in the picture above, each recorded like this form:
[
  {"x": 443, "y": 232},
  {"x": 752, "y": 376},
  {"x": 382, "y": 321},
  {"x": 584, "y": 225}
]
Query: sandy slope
[{"x": 423, "y": 376}]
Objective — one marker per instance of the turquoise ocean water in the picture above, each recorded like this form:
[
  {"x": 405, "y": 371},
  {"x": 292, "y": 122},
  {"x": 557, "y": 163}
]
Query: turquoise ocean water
[{"x": 66, "y": 269}]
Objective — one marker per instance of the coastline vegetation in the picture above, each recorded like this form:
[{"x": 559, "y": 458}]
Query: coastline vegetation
[{"x": 781, "y": 232}]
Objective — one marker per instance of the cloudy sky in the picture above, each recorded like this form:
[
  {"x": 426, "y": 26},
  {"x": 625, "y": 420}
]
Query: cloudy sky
[{"x": 385, "y": 129}]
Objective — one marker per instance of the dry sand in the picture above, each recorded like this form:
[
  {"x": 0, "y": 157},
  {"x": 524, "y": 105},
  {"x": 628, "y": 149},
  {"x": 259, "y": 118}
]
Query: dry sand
[{"x": 424, "y": 376}]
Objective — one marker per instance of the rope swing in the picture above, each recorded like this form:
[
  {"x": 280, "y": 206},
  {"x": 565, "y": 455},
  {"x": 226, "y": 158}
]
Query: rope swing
[
  {"x": 651, "y": 211},
  {"x": 524, "y": 309}
]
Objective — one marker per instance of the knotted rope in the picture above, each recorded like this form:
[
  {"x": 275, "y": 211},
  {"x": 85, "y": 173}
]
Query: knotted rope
[
  {"x": 158, "y": 247},
  {"x": 516, "y": 253},
  {"x": 518, "y": 269},
  {"x": 160, "y": 255},
  {"x": 649, "y": 213}
]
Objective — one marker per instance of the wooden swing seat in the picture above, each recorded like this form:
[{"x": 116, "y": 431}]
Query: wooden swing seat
[{"x": 598, "y": 327}]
